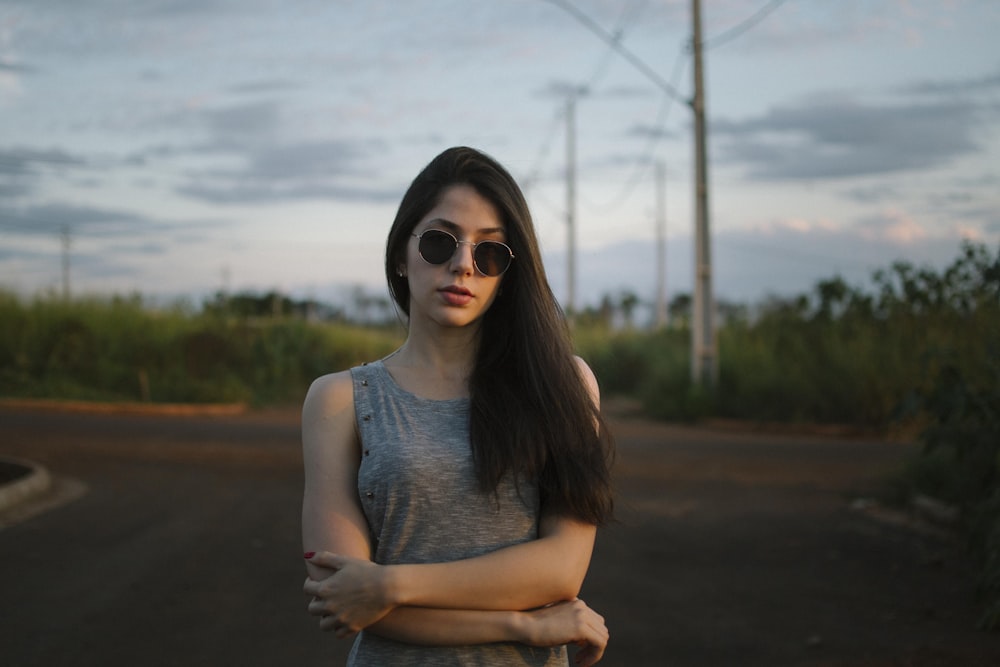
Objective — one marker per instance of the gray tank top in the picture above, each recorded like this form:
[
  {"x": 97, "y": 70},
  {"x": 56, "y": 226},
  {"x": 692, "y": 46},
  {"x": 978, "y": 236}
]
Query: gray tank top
[{"x": 419, "y": 493}]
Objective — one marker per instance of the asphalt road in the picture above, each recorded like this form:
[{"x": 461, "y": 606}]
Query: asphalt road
[{"x": 175, "y": 541}]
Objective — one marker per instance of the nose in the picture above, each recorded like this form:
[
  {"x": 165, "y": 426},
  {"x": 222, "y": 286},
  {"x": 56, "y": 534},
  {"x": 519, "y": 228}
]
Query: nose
[{"x": 462, "y": 261}]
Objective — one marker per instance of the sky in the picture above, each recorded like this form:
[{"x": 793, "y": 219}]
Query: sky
[{"x": 176, "y": 149}]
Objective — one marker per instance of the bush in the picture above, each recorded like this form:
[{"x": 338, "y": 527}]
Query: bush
[
  {"x": 961, "y": 460},
  {"x": 653, "y": 369},
  {"x": 120, "y": 350}
]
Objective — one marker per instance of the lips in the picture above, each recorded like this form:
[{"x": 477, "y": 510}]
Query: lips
[{"x": 456, "y": 295}]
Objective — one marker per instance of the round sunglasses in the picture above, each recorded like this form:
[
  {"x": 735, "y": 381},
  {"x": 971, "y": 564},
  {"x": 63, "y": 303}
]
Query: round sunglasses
[{"x": 491, "y": 258}]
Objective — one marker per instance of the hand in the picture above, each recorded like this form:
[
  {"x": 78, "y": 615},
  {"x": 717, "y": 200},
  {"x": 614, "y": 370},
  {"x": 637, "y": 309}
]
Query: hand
[
  {"x": 570, "y": 622},
  {"x": 350, "y": 599}
]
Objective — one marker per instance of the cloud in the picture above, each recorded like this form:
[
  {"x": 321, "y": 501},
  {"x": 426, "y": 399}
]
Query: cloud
[
  {"x": 265, "y": 160},
  {"x": 16, "y": 68},
  {"x": 647, "y": 131},
  {"x": 783, "y": 257},
  {"x": 9, "y": 253},
  {"x": 237, "y": 126},
  {"x": 27, "y": 160},
  {"x": 624, "y": 92},
  {"x": 843, "y": 138},
  {"x": 47, "y": 219},
  {"x": 281, "y": 172},
  {"x": 873, "y": 193},
  {"x": 957, "y": 86},
  {"x": 93, "y": 222},
  {"x": 320, "y": 170},
  {"x": 237, "y": 192},
  {"x": 981, "y": 216},
  {"x": 10, "y": 188},
  {"x": 21, "y": 169},
  {"x": 562, "y": 89},
  {"x": 182, "y": 8},
  {"x": 893, "y": 225},
  {"x": 796, "y": 27},
  {"x": 263, "y": 86},
  {"x": 109, "y": 246},
  {"x": 145, "y": 248}
]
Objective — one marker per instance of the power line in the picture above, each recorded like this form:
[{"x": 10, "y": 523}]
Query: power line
[
  {"x": 645, "y": 160},
  {"x": 543, "y": 152},
  {"x": 739, "y": 29},
  {"x": 624, "y": 20},
  {"x": 616, "y": 44}
]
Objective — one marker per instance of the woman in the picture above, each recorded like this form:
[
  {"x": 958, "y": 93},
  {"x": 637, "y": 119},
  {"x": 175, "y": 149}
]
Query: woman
[{"x": 453, "y": 489}]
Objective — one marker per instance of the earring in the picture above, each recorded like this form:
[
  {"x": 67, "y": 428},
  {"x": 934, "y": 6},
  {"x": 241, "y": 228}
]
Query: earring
[{"x": 400, "y": 272}]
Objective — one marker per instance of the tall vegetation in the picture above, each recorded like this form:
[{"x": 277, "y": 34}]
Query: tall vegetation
[
  {"x": 921, "y": 349},
  {"x": 838, "y": 354},
  {"x": 120, "y": 350}
]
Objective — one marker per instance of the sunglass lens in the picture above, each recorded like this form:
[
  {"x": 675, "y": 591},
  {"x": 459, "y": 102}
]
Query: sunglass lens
[
  {"x": 436, "y": 247},
  {"x": 492, "y": 258}
]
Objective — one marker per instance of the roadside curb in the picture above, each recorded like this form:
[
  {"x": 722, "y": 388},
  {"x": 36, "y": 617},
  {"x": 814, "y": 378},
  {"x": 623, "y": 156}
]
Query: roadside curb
[
  {"x": 179, "y": 409},
  {"x": 35, "y": 481}
]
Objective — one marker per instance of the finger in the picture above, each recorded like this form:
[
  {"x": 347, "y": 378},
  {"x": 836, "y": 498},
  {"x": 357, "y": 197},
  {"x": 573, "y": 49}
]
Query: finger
[
  {"x": 317, "y": 608},
  {"x": 599, "y": 629},
  {"x": 327, "y": 560},
  {"x": 595, "y": 624},
  {"x": 311, "y": 587},
  {"x": 586, "y": 657},
  {"x": 340, "y": 630},
  {"x": 590, "y": 654},
  {"x": 331, "y": 623},
  {"x": 593, "y": 645}
]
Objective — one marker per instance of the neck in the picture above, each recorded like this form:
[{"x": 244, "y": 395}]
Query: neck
[{"x": 446, "y": 353}]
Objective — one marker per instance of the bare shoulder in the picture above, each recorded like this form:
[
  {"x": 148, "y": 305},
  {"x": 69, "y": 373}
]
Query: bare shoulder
[
  {"x": 328, "y": 394},
  {"x": 332, "y": 517},
  {"x": 589, "y": 379},
  {"x": 328, "y": 411}
]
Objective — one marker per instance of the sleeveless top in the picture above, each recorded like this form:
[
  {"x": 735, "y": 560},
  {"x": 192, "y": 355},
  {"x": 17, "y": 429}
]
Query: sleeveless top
[{"x": 421, "y": 498}]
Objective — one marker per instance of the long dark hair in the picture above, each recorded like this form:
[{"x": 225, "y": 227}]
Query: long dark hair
[{"x": 531, "y": 413}]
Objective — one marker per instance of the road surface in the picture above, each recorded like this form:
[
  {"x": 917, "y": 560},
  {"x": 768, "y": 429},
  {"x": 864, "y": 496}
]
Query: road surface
[{"x": 174, "y": 540}]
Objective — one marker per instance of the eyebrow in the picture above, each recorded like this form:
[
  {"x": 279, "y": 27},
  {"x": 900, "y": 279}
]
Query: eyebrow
[{"x": 451, "y": 226}]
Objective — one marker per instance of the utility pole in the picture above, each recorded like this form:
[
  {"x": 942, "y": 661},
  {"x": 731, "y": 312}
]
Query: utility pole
[
  {"x": 571, "y": 206},
  {"x": 704, "y": 362},
  {"x": 661, "y": 245},
  {"x": 65, "y": 261}
]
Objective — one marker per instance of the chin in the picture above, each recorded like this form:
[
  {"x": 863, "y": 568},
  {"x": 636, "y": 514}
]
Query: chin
[{"x": 458, "y": 319}]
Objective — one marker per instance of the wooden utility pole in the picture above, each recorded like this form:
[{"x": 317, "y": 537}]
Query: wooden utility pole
[
  {"x": 65, "y": 261},
  {"x": 704, "y": 362},
  {"x": 661, "y": 245},
  {"x": 571, "y": 206}
]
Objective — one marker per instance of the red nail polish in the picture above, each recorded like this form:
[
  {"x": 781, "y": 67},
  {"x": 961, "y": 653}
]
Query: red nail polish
[{"x": 309, "y": 554}]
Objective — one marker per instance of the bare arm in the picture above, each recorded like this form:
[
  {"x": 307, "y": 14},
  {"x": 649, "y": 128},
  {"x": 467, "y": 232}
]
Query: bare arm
[
  {"x": 332, "y": 518},
  {"x": 523, "y": 576},
  {"x": 571, "y": 622}
]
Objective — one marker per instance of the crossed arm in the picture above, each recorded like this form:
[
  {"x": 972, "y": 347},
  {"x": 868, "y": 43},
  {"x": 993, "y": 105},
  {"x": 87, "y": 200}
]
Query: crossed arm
[{"x": 525, "y": 593}]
